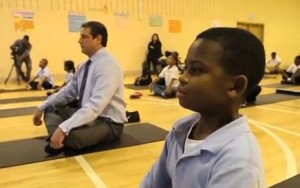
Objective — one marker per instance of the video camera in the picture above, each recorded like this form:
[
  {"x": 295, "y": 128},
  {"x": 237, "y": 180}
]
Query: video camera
[{"x": 14, "y": 50}]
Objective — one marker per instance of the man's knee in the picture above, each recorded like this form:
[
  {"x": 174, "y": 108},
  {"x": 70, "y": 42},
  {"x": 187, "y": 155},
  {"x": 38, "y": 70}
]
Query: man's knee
[
  {"x": 49, "y": 109},
  {"x": 51, "y": 118},
  {"x": 74, "y": 141}
]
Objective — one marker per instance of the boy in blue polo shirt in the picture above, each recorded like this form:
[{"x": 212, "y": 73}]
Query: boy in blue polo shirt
[{"x": 214, "y": 147}]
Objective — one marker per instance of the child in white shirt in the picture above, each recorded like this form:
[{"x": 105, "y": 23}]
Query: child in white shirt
[
  {"x": 292, "y": 74},
  {"x": 170, "y": 74},
  {"x": 46, "y": 80}
]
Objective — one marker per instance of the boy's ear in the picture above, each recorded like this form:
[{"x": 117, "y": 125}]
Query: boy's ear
[{"x": 238, "y": 86}]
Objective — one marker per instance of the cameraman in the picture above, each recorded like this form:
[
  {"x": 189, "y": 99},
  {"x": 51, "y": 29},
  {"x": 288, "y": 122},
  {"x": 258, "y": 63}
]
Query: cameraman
[{"x": 20, "y": 52}]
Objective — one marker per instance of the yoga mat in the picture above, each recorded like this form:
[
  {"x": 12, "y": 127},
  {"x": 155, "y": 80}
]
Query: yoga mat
[
  {"x": 290, "y": 91},
  {"x": 24, "y": 99},
  {"x": 293, "y": 182},
  {"x": 261, "y": 100},
  {"x": 25, "y": 151},
  {"x": 13, "y": 90},
  {"x": 277, "y": 85},
  {"x": 132, "y": 86},
  {"x": 17, "y": 111},
  {"x": 272, "y": 98}
]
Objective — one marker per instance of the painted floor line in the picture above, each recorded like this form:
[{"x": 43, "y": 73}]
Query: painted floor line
[
  {"x": 90, "y": 172},
  {"x": 289, "y": 156}
]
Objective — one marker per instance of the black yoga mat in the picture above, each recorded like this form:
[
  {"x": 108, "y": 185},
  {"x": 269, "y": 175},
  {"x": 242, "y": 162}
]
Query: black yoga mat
[
  {"x": 277, "y": 85},
  {"x": 19, "y": 152},
  {"x": 24, "y": 99},
  {"x": 293, "y": 182},
  {"x": 132, "y": 86},
  {"x": 290, "y": 91},
  {"x": 272, "y": 98}
]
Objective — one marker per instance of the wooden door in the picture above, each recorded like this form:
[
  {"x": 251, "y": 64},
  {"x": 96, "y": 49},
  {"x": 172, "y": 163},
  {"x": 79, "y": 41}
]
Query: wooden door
[{"x": 254, "y": 28}]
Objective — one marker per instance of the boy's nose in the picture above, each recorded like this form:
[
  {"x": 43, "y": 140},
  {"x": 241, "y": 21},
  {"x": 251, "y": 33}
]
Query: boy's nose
[{"x": 183, "y": 78}]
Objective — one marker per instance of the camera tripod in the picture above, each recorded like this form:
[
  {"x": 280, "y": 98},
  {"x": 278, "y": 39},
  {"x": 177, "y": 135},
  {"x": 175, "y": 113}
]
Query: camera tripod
[{"x": 11, "y": 69}]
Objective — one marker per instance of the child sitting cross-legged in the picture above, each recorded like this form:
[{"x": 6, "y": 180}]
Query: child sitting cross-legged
[{"x": 170, "y": 75}]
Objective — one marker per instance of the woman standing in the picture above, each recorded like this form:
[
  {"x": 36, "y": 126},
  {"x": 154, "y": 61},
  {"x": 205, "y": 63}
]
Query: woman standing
[{"x": 154, "y": 52}]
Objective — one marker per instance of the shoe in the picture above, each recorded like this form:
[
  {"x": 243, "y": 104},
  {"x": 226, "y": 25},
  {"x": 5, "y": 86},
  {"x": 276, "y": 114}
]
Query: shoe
[
  {"x": 136, "y": 95},
  {"x": 133, "y": 116},
  {"x": 53, "y": 151},
  {"x": 49, "y": 138}
]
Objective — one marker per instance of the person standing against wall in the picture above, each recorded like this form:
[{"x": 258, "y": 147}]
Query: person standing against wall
[{"x": 154, "y": 52}]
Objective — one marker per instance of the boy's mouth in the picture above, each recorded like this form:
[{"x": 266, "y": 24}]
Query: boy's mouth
[{"x": 181, "y": 92}]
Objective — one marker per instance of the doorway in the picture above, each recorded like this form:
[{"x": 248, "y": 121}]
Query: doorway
[{"x": 255, "y": 28}]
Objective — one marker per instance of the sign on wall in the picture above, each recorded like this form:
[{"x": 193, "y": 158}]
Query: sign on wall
[
  {"x": 24, "y": 20},
  {"x": 155, "y": 21},
  {"x": 174, "y": 26},
  {"x": 75, "y": 19}
]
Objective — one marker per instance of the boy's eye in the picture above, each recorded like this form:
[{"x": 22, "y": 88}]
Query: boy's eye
[{"x": 194, "y": 70}]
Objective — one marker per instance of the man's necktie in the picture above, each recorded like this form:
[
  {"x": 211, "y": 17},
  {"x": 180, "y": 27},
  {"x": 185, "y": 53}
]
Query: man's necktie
[{"x": 83, "y": 81}]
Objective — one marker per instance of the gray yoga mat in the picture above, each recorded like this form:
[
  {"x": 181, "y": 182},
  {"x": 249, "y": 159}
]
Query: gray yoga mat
[
  {"x": 24, "y": 99},
  {"x": 132, "y": 86},
  {"x": 17, "y": 111},
  {"x": 276, "y": 85},
  {"x": 272, "y": 98},
  {"x": 261, "y": 100},
  {"x": 293, "y": 182},
  {"x": 13, "y": 90},
  {"x": 25, "y": 151}
]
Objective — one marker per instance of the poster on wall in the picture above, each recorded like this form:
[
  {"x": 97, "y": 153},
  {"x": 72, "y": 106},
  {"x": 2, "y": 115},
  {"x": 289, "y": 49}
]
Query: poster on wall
[
  {"x": 98, "y": 6},
  {"x": 75, "y": 19},
  {"x": 174, "y": 26},
  {"x": 24, "y": 20},
  {"x": 155, "y": 21},
  {"x": 122, "y": 21}
]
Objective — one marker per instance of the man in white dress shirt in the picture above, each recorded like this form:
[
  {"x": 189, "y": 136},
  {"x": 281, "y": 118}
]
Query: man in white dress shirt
[{"x": 98, "y": 84}]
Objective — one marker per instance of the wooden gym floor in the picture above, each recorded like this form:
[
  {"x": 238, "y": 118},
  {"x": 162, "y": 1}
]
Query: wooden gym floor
[{"x": 275, "y": 125}]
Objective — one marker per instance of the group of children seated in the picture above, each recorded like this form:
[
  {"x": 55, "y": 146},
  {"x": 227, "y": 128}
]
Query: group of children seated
[
  {"x": 291, "y": 75},
  {"x": 44, "y": 79},
  {"x": 166, "y": 83}
]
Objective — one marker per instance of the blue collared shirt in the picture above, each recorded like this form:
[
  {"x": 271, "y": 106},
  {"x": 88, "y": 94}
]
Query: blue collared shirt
[
  {"x": 103, "y": 95},
  {"x": 228, "y": 158}
]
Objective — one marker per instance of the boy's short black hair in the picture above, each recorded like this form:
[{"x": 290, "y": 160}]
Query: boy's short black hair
[
  {"x": 297, "y": 60},
  {"x": 70, "y": 65},
  {"x": 243, "y": 53}
]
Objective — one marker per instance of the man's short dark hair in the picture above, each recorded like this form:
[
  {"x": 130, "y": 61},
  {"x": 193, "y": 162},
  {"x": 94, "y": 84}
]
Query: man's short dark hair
[
  {"x": 97, "y": 28},
  {"x": 243, "y": 53}
]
